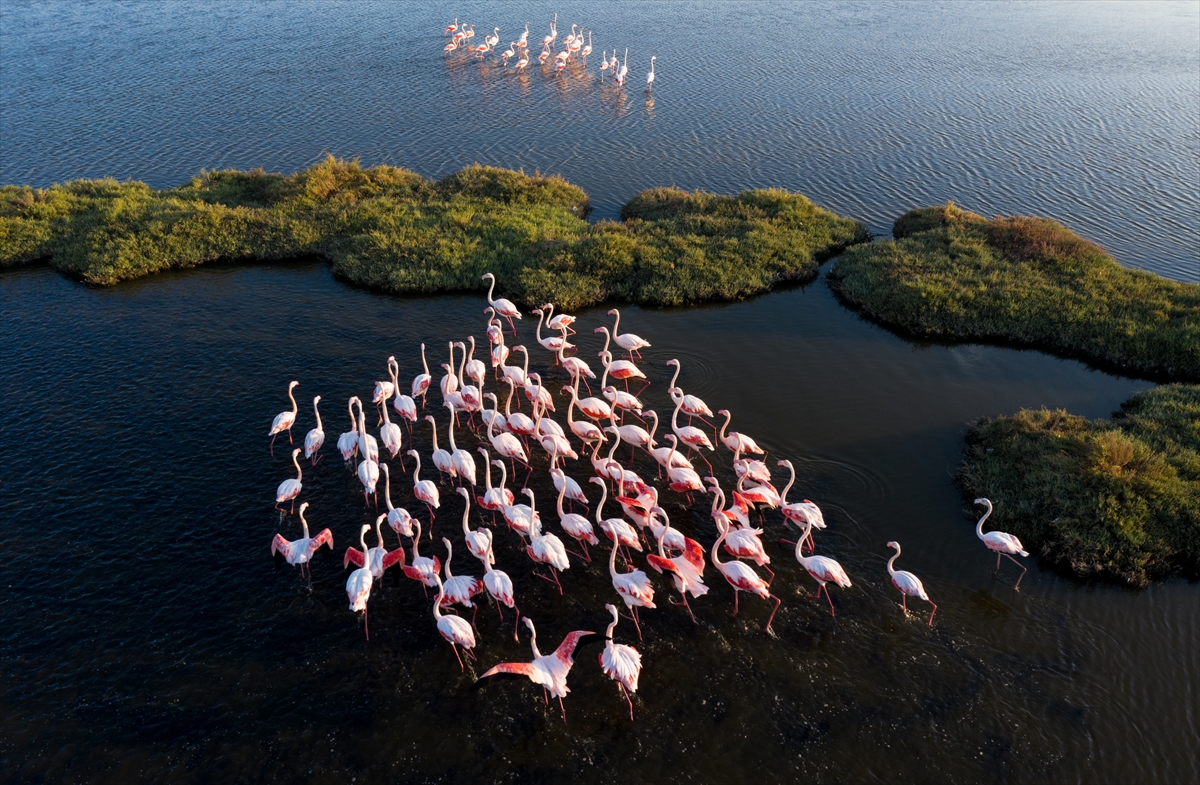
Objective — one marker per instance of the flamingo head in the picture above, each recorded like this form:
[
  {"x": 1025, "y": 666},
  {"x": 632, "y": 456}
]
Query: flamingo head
[
  {"x": 596, "y": 480},
  {"x": 292, "y": 384},
  {"x": 537, "y": 311},
  {"x": 784, "y": 463},
  {"x": 413, "y": 453},
  {"x": 428, "y": 418},
  {"x": 527, "y": 492},
  {"x": 482, "y": 450},
  {"x": 498, "y": 463},
  {"x": 462, "y": 491},
  {"x": 722, "y": 411},
  {"x": 529, "y": 624},
  {"x": 894, "y": 544},
  {"x": 317, "y": 400},
  {"x": 988, "y": 502},
  {"x": 486, "y": 276},
  {"x": 613, "y": 312},
  {"x": 304, "y": 506}
]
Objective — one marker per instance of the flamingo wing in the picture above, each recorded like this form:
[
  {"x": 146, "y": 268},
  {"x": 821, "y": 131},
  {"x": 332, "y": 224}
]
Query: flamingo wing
[
  {"x": 566, "y": 650},
  {"x": 693, "y": 552},
  {"x": 278, "y": 543},
  {"x": 517, "y": 668},
  {"x": 659, "y": 563},
  {"x": 324, "y": 538},
  {"x": 353, "y": 556},
  {"x": 393, "y": 558}
]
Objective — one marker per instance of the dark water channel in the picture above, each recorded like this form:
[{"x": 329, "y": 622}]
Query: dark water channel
[{"x": 149, "y": 635}]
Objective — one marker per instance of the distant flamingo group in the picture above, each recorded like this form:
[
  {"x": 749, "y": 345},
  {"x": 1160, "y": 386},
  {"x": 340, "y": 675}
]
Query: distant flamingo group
[
  {"x": 520, "y": 440},
  {"x": 573, "y": 47}
]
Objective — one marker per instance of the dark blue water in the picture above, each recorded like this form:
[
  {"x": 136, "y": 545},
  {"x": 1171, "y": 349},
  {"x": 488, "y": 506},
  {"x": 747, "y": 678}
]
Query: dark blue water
[
  {"x": 149, "y": 636},
  {"x": 1085, "y": 112}
]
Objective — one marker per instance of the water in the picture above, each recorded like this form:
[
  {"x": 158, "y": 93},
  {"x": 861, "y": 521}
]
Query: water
[
  {"x": 149, "y": 636},
  {"x": 1082, "y": 112}
]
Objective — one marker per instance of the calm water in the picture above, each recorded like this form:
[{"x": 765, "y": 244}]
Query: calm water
[
  {"x": 1083, "y": 112},
  {"x": 149, "y": 636}
]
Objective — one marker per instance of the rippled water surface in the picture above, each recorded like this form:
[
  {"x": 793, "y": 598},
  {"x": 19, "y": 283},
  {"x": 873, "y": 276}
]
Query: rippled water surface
[
  {"x": 149, "y": 636},
  {"x": 1085, "y": 112}
]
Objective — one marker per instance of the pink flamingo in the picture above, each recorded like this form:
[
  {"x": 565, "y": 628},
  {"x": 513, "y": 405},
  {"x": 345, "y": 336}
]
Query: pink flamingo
[
  {"x": 621, "y": 663},
  {"x": 285, "y": 420},
  {"x": 1000, "y": 543},
  {"x": 687, "y": 569},
  {"x": 741, "y": 577},
  {"x": 627, "y": 341},
  {"x": 459, "y": 589},
  {"x": 462, "y": 461},
  {"x": 550, "y": 670},
  {"x": 421, "y": 382},
  {"x": 741, "y": 543},
  {"x": 503, "y": 307},
  {"x": 634, "y": 587},
  {"x": 479, "y": 541},
  {"x": 616, "y": 529},
  {"x": 624, "y": 370},
  {"x": 908, "y": 584},
  {"x": 552, "y": 343},
  {"x": 574, "y": 524},
  {"x": 738, "y": 442},
  {"x": 390, "y": 435},
  {"x": 505, "y": 443},
  {"x": 423, "y": 569},
  {"x": 300, "y": 552},
  {"x": 587, "y": 432},
  {"x": 493, "y": 499},
  {"x": 368, "y": 469},
  {"x": 799, "y": 513},
  {"x": 289, "y": 489},
  {"x": 822, "y": 569},
  {"x": 500, "y": 586},
  {"x": 397, "y": 517},
  {"x": 663, "y": 454},
  {"x": 545, "y": 548},
  {"x": 314, "y": 438},
  {"x": 560, "y": 322},
  {"x": 456, "y": 630},
  {"x": 682, "y": 479},
  {"x": 358, "y": 585},
  {"x": 378, "y": 559},
  {"x": 404, "y": 405},
  {"x": 564, "y": 483},
  {"x": 425, "y": 491},
  {"x": 692, "y": 406},
  {"x": 442, "y": 459},
  {"x": 694, "y": 438},
  {"x": 347, "y": 443}
]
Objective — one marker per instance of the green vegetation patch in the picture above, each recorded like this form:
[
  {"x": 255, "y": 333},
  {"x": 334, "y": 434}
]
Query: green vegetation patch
[
  {"x": 1116, "y": 498},
  {"x": 952, "y": 273},
  {"x": 393, "y": 230}
]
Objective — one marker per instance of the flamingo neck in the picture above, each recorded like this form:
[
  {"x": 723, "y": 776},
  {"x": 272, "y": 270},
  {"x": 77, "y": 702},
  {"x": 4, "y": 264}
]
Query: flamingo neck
[
  {"x": 612, "y": 557},
  {"x": 653, "y": 428},
  {"x": 387, "y": 486},
  {"x": 295, "y": 406},
  {"x": 800, "y": 557},
  {"x": 600, "y": 504},
  {"x": 424, "y": 362},
  {"x": 891, "y": 561},
  {"x": 417, "y": 479},
  {"x": 979, "y": 526},
  {"x": 433, "y": 427},
  {"x": 616, "y": 326},
  {"x": 728, "y": 417},
  {"x": 788, "y": 487},
  {"x": 674, "y": 378},
  {"x": 449, "y": 557},
  {"x": 437, "y": 605},
  {"x": 317, "y": 412},
  {"x": 491, "y": 290},
  {"x": 561, "y": 493},
  {"x": 608, "y": 633},
  {"x": 296, "y": 463},
  {"x": 304, "y": 525}
]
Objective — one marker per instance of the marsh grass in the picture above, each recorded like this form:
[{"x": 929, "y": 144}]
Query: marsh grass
[
  {"x": 392, "y": 230},
  {"x": 951, "y": 273},
  {"x": 1116, "y": 499}
]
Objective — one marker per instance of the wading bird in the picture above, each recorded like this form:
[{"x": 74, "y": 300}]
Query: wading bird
[
  {"x": 314, "y": 438},
  {"x": 621, "y": 663},
  {"x": 1000, "y": 543},
  {"x": 456, "y": 630},
  {"x": 285, "y": 420},
  {"x": 908, "y": 584},
  {"x": 299, "y": 552},
  {"x": 549, "y": 670},
  {"x": 289, "y": 489}
]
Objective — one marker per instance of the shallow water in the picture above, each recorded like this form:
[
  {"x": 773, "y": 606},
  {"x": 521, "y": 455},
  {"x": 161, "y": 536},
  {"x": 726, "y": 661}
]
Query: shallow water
[
  {"x": 1085, "y": 112},
  {"x": 149, "y": 635}
]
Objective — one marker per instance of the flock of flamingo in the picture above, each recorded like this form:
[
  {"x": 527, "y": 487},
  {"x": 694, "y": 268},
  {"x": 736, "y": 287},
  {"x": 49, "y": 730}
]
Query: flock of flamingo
[
  {"x": 513, "y": 435},
  {"x": 573, "y": 45}
]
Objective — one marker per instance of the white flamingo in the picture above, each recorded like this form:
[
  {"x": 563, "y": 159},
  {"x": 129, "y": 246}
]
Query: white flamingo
[
  {"x": 634, "y": 587},
  {"x": 741, "y": 577},
  {"x": 423, "y": 569},
  {"x": 575, "y": 525},
  {"x": 397, "y": 517},
  {"x": 289, "y": 489},
  {"x": 1000, "y": 543},
  {"x": 442, "y": 459},
  {"x": 314, "y": 438},
  {"x": 425, "y": 491},
  {"x": 503, "y": 307},
  {"x": 463, "y": 461},
  {"x": 390, "y": 434},
  {"x": 550, "y": 670},
  {"x": 479, "y": 541},
  {"x": 358, "y": 585},
  {"x": 456, "y": 630},
  {"x": 285, "y": 420},
  {"x": 908, "y": 584},
  {"x": 823, "y": 570},
  {"x": 421, "y": 382},
  {"x": 299, "y": 553},
  {"x": 368, "y": 468},
  {"x": 347, "y": 443},
  {"x": 545, "y": 548},
  {"x": 621, "y": 663}
]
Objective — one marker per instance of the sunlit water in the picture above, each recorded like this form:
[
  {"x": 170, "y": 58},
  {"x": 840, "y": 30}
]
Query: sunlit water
[
  {"x": 1085, "y": 112},
  {"x": 149, "y": 635}
]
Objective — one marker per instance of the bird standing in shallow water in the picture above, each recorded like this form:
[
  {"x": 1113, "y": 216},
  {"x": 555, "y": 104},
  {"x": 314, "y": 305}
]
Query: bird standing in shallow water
[
  {"x": 285, "y": 420},
  {"x": 999, "y": 542},
  {"x": 300, "y": 552},
  {"x": 621, "y": 663},
  {"x": 908, "y": 584},
  {"x": 548, "y": 670}
]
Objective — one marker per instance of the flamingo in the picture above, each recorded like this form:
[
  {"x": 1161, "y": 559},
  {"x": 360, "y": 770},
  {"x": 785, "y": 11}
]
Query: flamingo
[
  {"x": 285, "y": 420},
  {"x": 462, "y": 461},
  {"x": 586, "y": 431},
  {"x": 587, "y": 50},
  {"x": 693, "y": 437},
  {"x": 450, "y": 47},
  {"x": 663, "y": 454},
  {"x": 378, "y": 559},
  {"x": 741, "y": 577},
  {"x": 314, "y": 438},
  {"x": 603, "y": 64},
  {"x": 500, "y": 586},
  {"x": 536, "y": 393},
  {"x": 451, "y": 28},
  {"x": 494, "y": 38},
  {"x": 650, "y": 76},
  {"x": 487, "y": 415},
  {"x": 383, "y": 391},
  {"x": 576, "y": 367},
  {"x": 367, "y": 444},
  {"x": 545, "y": 548},
  {"x": 468, "y": 392},
  {"x": 550, "y": 670},
  {"x": 479, "y": 541},
  {"x": 389, "y": 434},
  {"x": 553, "y": 443},
  {"x": 682, "y": 479},
  {"x": 908, "y": 584},
  {"x": 597, "y": 408},
  {"x": 523, "y": 41},
  {"x": 397, "y": 517},
  {"x": 741, "y": 543},
  {"x": 519, "y": 517},
  {"x": 738, "y": 442},
  {"x": 421, "y": 382},
  {"x": 358, "y": 585},
  {"x": 423, "y": 569},
  {"x": 624, "y": 69},
  {"x": 687, "y": 569},
  {"x": 368, "y": 469},
  {"x": 548, "y": 41},
  {"x": 505, "y": 443},
  {"x": 497, "y": 498},
  {"x": 633, "y": 586},
  {"x": 999, "y": 542},
  {"x": 449, "y": 382},
  {"x": 560, "y": 322},
  {"x": 404, "y": 405},
  {"x": 822, "y": 569},
  {"x": 289, "y": 489},
  {"x": 552, "y": 343},
  {"x": 617, "y": 530},
  {"x": 751, "y": 469},
  {"x": 800, "y": 513},
  {"x": 442, "y": 459},
  {"x": 347, "y": 443},
  {"x": 574, "y": 524},
  {"x": 633, "y": 435},
  {"x": 523, "y": 60},
  {"x": 300, "y": 552},
  {"x": 459, "y": 589},
  {"x": 565, "y": 484},
  {"x": 621, "y": 663},
  {"x": 512, "y": 373},
  {"x": 620, "y": 369},
  {"x": 692, "y": 406},
  {"x": 476, "y": 370},
  {"x": 425, "y": 491},
  {"x": 453, "y": 628},
  {"x": 503, "y": 307}
]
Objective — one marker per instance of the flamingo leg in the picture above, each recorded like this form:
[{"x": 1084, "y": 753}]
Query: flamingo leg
[
  {"x": 736, "y": 592},
  {"x": 1024, "y": 569},
  {"x": 273, "y": 444},
  {"x": 625, "y": 692},
  {"x": 769, "y": 572},
  {"x": 366, "y": 625},
  {"x": 934, "y": 604},
  {"x": 290, "y": 436},
  {"x": 636, "y": 623},
  {"x": 517, "y": 623},
  {"x": 461, "y": 667},
  {"x": 775, "y": 610},
  {"x": 998, "y": 560},
  {"x": 831, "y": 610},
  {"x": 904, "y": 602},
  {"x": 476, "y": 610},
  {"x": 563, "y": 709}
]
